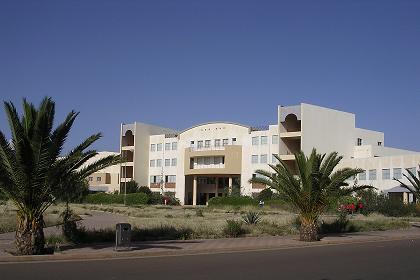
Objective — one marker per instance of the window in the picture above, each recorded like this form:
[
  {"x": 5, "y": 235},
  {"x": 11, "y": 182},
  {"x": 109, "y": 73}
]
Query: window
[
  {"x": 255, "y": 141},
  {"x": 386, "y": 174},
  {"x": 264, "y": 140},
  {"x": 254, "y": 159},
  {"x": 192, "y": 144},
  {"x": 167, "y": 146},
  {"x": 217, "y": 143},
  {"x": 359, "y": 141},
  {"x": 372, "y": 174},
  {"x": 174, "y": 162},
  {"x": 273, "y": 159},
  {"x": 200, "y": 144},
  {"x": 167, "y": 162},
  {"x": 233, "y": 141},
  {"x": 98, "y": 179},
  {"x": 207, "y": 160},
  {"x": 174, "y": 146},
  {"x": 263, "y": 158},
  {"x": 207, "y": 143},
  {"x": 152, "y": 163},
  {"x": 412, "y": 170},
  {"x": 159, "y": 147},
  {"x": 90, "y": 179},
  {"x": 225, "y": 142},
  {"x": 362, "y": 176},
  {"x": 275, "y": 139},
  {"x": 155, "y": 179},
  {"x": 170, "y": 179},
  {"x": 379, "y": 143},
  {"x": 152, "y": 179},
  {"x": 153, "y": 147},
  {"x": 397, "y": 173},
  {"x": 158, "y": 163}
]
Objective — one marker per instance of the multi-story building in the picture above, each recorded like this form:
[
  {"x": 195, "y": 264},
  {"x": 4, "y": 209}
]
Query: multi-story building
[
  {"x": 107, "y": 179},
  {"x": 211, "y": 159}
]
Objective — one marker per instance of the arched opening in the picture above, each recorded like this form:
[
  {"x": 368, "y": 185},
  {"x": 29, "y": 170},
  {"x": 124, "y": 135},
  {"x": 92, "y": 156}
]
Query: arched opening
[
  {"x": 128, "y": 139},
  {"x": 291, "y": 123}
]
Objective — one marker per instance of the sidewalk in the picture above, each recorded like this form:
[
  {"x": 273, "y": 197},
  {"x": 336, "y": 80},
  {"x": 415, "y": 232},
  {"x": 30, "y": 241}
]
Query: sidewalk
[{"x": 176, "y": 248}]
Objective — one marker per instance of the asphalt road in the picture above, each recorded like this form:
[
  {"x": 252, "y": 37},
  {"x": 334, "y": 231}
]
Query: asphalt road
[{"x": 375, "y": 260}]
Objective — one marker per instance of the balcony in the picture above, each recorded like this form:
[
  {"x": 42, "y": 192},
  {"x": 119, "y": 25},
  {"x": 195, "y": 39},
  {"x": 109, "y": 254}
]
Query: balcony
[
  {"x": 127, "y": 156},
  {"x": 287, "y": 157},
  {"x": 128, "y": 139},
  {"x": 207, "y": 148},
  {"x": 291, "y": 135}
]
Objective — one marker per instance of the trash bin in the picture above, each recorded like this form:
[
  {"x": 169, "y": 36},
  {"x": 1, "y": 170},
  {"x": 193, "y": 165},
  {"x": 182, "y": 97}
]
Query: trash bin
[{"x": 122, "y": 236}]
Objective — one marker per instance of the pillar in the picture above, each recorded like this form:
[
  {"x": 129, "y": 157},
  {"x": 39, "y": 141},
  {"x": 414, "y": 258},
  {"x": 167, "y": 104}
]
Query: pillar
[
  {"x": 195, "y": 191},
  {"x": 405, "y": 197},
  {"x": 216, "y": 193},
  {"x": 230, "y": 185}
]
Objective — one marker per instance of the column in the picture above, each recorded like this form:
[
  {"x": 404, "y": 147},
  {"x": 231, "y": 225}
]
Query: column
[
  {"x": 405, "y": 197},
  {"x": 216, "y": 193},
  {"x": 195, "y": 191},
  {"x": 230, "y": 185}
]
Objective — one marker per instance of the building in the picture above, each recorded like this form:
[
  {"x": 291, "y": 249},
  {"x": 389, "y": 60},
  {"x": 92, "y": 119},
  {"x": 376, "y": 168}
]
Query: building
[
  {"x": 107, "y": 179},
  {"x": 211, "y": 159}
]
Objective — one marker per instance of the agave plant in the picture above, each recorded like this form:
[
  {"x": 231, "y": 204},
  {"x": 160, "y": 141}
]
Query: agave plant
[
  {"x": 34, "y": 174},
  {"x": 414, "y": 181},
  {"x": 312, "y": 188},
  {"x": 251, "y": 218}
]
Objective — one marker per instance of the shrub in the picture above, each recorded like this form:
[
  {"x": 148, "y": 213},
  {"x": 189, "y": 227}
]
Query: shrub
[
  {"x": 199, "y": 212},
  {"x": 265, "y": 194},
  {"x": 137, "y": 198},
  {"x": 171, "y": 199},
  {"x": 340, "y": 225},
  {"x": 232, "y": 201},
  {"x": 233, "y": 228},
  {"x": 251, "y": 218},
  {"x": 155, "y": 198},
  {"x": 104, "y": 198},
  {"x": 145, "y": 189}
]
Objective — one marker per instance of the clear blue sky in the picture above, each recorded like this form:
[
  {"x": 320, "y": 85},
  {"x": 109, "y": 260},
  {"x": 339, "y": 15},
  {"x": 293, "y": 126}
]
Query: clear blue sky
[{"x": 178, "y": 63}]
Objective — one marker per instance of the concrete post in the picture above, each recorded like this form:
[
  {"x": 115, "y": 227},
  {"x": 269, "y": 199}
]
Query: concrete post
[
  {"x": 216, "y": 193},
  {"x": 230, "y": 185},
  {"x": 405, "y": 198},
  {"x": 195, "y": 191}
]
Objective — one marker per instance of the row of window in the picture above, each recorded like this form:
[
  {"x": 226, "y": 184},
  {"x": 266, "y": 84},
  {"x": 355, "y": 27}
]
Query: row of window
[
  {"x": 256, "y": 140},
  {"x": 157, "y": 179},
  {"x": 158, "y": 162},
  {"x": 263, "y": 159},
  {"x": 98, "y": 179},
  {"x": 386, "y": 174},
  {"x": 360, "y": 142},
  {"x": 207, "y": 143},
  {"x": 168, "y": 146}
]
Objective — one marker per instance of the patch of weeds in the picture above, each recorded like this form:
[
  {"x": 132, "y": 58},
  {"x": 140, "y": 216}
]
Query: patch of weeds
[
  {"x": 169, "y": 216},
  {"x": 233, "y": 228},
  {"x": 199, "y": 212}
]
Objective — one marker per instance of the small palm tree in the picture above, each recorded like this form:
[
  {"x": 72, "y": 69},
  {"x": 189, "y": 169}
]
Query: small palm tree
[
  {"x": 414, "y": 181},
  {"x": 33, "y": 174},
  {"x": 312, "y": 188}
]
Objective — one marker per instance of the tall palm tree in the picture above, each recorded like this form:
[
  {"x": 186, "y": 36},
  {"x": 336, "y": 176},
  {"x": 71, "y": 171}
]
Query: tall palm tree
[
  {"x": 33, "y": 174},
  {"x": 312, "y": 188},
  {"x": 414, "y": 181}
]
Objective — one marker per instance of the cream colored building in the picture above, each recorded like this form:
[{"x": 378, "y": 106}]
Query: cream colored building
[
  {"x": 107, "y": 179},
  {"x": 211, "y": 159}
]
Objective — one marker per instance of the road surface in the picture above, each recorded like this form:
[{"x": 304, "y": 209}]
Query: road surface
[{"x": 374, "y": 260}]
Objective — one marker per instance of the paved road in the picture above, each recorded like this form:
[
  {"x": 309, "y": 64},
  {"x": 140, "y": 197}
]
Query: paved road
[{"x": 374, "y": 260}]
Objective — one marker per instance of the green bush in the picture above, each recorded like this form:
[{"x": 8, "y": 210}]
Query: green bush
[
  {"x": 232, "y": 201},
  {"x": 155, "y": 198},
  {"x": 233, "y": 228},
  {"x": 104, "y": 198},
  {"x": 145, "y": 189}
]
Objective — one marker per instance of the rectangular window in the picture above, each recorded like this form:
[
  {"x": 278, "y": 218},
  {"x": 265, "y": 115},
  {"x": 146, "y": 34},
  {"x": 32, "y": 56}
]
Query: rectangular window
[
  {"x": 379, "y": 143},
  {"x": 152, "y": 163},
  {"x": 254, "y": 159},
  {"x": 153, "y": 147},
  {"x": 174, "y": 162},
  {"x": 362, "y": 176},
  {"x": 207, "y": 143},
  {"x": 225, "y": 142},
  {"x": 207, "y": 161},
  {"x": 90, "y": 179},
  {"x": 159, "y": 147},
  {"x": 152, "y": 179},
  {"x": 158, "y": 163},
  {"x": 273, "y": 159},
  {"x": 170, "y": 179},
  {"x": 217, "y": 143},
  {"x": 167, "y": 146},
  {"x": 174, "y": 146},
  {"x": 167, "y": 162},
  {"x": 255, "y": 141},
  {"x": 372, "y": 174},
  {"x": 412, "y": 170},
  {"x": 264, "y": 158},
  {"x": 275, "y": 139},
  {"x": 386, "y": 174},
  {"x": 397, "y": 172},
  {"x": 192, "y": 144},
  {"x": 200, "y": 144},
  {"x": 359, "y": 141},
  {"x": 233, "y": 141},
  {"x": 264, "y": 140},
  {"x": 98, "y": 179}
]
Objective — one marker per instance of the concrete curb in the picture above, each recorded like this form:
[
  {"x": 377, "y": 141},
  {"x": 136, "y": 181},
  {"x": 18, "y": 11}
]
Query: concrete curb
[{"x": 112, "y": 255}]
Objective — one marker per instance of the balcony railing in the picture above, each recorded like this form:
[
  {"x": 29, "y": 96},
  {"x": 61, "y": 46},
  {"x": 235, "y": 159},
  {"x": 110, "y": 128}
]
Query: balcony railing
[{"x": 207, "y": 148}]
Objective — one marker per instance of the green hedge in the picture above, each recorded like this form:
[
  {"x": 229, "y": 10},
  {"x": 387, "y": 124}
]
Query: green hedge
[
  {"x": 232, "y": 201},
  {"x": 104, "y": 198}
]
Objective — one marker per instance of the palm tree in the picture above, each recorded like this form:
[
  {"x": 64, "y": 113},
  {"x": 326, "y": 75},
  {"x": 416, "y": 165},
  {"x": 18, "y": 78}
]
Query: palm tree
[
  {"x": 311, "y": 189},
  {"x": 414, "y": 181},
  {"x": 33, "y": 174}
]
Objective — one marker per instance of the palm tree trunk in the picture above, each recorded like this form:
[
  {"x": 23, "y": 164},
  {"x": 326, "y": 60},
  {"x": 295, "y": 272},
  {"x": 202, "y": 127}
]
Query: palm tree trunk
[
  {"x": 308, "y": 230},
  {"x": 30, "y": 235}
]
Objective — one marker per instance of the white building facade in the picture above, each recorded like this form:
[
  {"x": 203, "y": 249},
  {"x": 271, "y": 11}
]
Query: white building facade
[{"x": 211, "y": 159}]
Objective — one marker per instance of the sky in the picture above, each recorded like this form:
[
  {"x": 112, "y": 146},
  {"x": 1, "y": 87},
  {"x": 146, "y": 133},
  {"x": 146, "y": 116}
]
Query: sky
[{"x": 180, "y": 63}]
